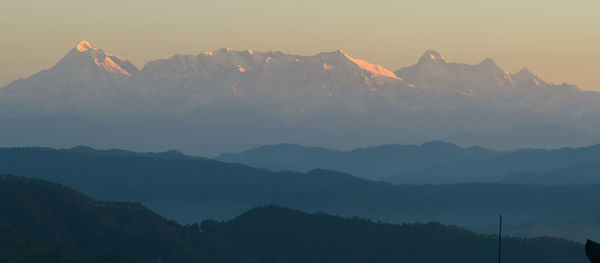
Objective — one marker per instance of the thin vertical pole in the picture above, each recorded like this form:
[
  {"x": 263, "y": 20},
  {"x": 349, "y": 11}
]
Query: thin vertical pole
[{"x": 500, "y": 240}]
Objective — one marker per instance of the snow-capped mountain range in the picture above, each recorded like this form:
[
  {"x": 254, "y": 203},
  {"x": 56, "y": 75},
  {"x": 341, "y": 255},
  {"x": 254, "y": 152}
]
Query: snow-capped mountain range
[
  {"x": 490, "y": 86},
  {"x": 294, "y": 94},
  {"x": 288, "y": 84}
]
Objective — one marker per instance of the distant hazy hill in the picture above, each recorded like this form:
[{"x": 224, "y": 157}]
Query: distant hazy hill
[
  {"x": 529, "y": 137},
  {"x": 173, "y": 154},
  {"x": 566, "y": 164},
  {"x": 434, "y": 163},
  {"x": 580, "y": 173},
  {"x": 45, "y": 222},
  {"x": 378, "y": 162},
  {"x": 227, "y": 100},
  {"x": 189, "y": 190}
]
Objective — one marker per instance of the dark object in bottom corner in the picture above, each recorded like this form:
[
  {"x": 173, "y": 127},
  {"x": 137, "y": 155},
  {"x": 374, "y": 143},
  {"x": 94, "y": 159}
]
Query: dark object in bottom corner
[{"x": 592, "y": 250}]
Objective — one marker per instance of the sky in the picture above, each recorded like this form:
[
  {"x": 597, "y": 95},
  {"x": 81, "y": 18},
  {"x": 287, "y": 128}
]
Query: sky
[{"x": 558, "y": 40}]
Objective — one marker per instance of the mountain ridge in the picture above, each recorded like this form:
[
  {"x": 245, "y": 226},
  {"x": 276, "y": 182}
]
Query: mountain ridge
[
  {"x": 42, "y": 221},
  {"x": 374, "y": 163},
  {"x": 114, "y": 63},
  {"x": 277, "y": 97},
  {"x": 188, "y": 190}
]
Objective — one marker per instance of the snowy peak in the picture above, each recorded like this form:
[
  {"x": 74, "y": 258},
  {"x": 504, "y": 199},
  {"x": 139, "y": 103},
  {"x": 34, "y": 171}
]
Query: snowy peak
[
  {"x": 254, "y": 62},
  {"x": 86, "y": 54},
  {"x": 524, "y": 74},
  {"x": 488, "y": 62},
  {"x": 432, "y": 56},
  {"x": 303, "y": 84},
  {"x": 84, "y": 46},
  {"x": 485, "y": 81},
  {"x": 292, "y": 86},
  {"x": 488, "y": 65},
  {"x": 526, "y": 71},
  {"x": 374, "y": 70},
  {"x": 339, "y": 57},
  {"x": 87, "y": 81}
]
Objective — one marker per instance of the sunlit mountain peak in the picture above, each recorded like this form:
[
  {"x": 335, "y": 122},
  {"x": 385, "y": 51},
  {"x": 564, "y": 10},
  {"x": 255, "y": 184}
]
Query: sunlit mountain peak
[
  {"x": 84, "y": 46},
  {"x": 374, "y": 69},
  {"x": 85, "y": 52},
  {"x": 432, "y": 56}
]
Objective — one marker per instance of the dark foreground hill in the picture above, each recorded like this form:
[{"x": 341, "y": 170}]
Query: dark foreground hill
[
  {"x": 47, "y": 222},
  {"x": 42, "y": 221}
]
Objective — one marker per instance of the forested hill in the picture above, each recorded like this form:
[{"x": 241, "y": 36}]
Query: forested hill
[
  {"x": 190, "y": 190},
  {"x": 46, "y": 222},
  {"x": 42, "y": 221},
  {"x": 275, "y": 234}
]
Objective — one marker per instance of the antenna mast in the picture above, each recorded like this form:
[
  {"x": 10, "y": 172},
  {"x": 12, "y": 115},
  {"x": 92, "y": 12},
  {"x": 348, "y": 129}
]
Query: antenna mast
[{"x": 500, "y": 241}]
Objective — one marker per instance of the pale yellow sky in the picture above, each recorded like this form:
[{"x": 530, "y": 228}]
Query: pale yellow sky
[{"x": 558, "y": 40}]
